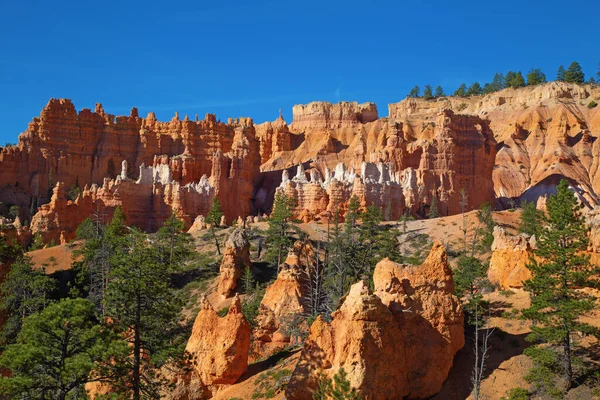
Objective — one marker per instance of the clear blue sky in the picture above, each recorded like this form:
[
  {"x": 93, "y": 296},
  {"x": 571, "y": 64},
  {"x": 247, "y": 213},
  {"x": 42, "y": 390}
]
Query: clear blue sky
[{"x": 244, "y": 58}]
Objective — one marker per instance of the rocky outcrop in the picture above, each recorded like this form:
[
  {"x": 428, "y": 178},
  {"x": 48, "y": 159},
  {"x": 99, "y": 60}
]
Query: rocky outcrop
[
  {"x": 218, "y": 348},
  {"x": 62, "y": 145},
  {"x": 432, "y": 317},
  {"x": 544, "y": 132},
  {"x": 398, "y": 341},
  {"x": 364, "y": 339},
  {"x": 285, "y": 299},
  {"x": 396, "y": 167},
  {"x": 146, "y": 203},
  {"x": 510, "y": 256},
  {"x": 320, "y": 115},
  {"x": 236, "y": 258}
]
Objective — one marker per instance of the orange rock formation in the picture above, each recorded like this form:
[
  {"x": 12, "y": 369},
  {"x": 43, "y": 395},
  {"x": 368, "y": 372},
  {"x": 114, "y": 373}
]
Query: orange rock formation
[
  {"x": 512, "y": 144},
  {"x": 399, "y": 341},
  {"x": 218, "y": 348},
  {"x": 236, "y": 258},
  {"x": 510, "y": 256},
  {"x": 284, "y": 298}
]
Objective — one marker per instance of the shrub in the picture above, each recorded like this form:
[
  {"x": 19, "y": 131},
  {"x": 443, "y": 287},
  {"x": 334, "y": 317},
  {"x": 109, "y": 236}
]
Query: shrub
[
  {"x": 592, "y": 104},
  {"x": 461, "y": 107},
  {"x": 517, "y": 393}
]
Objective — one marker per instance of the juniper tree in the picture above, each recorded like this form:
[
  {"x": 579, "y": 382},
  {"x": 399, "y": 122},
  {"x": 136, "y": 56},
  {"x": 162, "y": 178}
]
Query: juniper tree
[
  {"x": 560, "y": 269},
  {"x": 213, "y": 218}
]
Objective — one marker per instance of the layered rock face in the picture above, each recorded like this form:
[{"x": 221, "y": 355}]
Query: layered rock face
[
  {"x": 510, "y": 256},
  {"x": 433, "y": 318},
  {"x": 83, "y": 148},
  {"x": 219, "y": 350},
  {"x": 236, "y": 258},
  {"x": 396, "y": 342},
  {"x": 544, "y": 132},
  {"x": 285, "y": 298},
  {"x": 324, "y": 115},
  {"x": 146, "y": 202},
  {"x": 394, "y": 165}
]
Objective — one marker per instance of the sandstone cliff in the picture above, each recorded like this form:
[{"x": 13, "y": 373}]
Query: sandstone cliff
[
  {"x": 83, "y": 148},
  {"x": 543, "y": 132}
]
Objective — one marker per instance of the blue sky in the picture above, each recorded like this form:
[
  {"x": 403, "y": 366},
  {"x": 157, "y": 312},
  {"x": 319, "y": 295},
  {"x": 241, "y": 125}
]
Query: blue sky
[{"x": 243, "y": 58}]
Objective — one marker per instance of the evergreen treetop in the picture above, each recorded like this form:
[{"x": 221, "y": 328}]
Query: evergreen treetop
[{"x": 574, "y": 74}]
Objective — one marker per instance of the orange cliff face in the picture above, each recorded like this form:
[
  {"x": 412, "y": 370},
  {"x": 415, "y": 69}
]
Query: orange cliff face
[
  {"x": 83, "y": 148},
  {"x": 544, "y": 133},
  {"x": 510, "y": 145},
  {"x": 396, "y": 165}
]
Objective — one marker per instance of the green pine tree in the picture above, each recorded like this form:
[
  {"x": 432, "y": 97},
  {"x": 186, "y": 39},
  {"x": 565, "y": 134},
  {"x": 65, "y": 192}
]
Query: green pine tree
[
  {"x": 559, "y": 270},
  {"x": 535, "y": 77},
  {"x": 24, "y": 292},
  {"x": 474, "y": 90},
  {"x": 439, "y": 92},
  {"x": 461, "y": 91},
  {"x": 498, "y": 82},
  {"x": 338, "y": 388},
  {"x": 560, "y": 74},
  {"x": 213, "y": 218},
  {"x": 428, "y": 92},
  {"x": 97, "y": 254},
  {"x": 280, "y": 221},
  {"x": 485, "y": 230},
  {"x": 56, "y": 353},
  {"x": 414, "y": 92},
  {"x": 173, "y": 243},
  {"x": 143, "y": 305},
  {"x": 574, "y": 74},
  {"x": 433, "y": 208},
  {"x": 531, "y": 219}
]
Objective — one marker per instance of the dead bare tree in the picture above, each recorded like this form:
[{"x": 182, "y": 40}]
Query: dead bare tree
[{"x": 481, "y": 352}]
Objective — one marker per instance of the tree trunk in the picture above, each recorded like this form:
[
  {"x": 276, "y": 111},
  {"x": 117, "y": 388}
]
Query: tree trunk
[
  {"x": 137, "y": 350},
  {"x": 568, "y": 364},
  {"x": 212, "y": 230}
]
